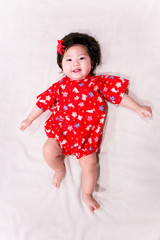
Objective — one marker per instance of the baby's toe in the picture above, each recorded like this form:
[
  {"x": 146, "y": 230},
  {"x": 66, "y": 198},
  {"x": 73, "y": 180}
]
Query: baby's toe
[
  {"x": 91, "y": 209},
  {"x": 97, "y": 206},
  {"x": 55, "y": 183}
]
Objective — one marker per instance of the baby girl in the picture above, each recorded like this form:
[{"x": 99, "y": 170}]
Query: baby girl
[{"x": 77, "y": 105}]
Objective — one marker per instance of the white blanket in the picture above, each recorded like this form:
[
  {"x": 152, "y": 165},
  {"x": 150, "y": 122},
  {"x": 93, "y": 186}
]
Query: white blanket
[{"x": 128, "y": 186}]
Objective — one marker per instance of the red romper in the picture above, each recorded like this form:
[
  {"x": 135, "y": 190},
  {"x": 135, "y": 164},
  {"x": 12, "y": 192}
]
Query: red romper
[{"x": 78, "y": 111}]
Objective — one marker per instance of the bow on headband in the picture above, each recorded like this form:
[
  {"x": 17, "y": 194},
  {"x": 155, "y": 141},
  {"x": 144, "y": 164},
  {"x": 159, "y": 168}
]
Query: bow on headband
[{"x": 60, "y": 47}]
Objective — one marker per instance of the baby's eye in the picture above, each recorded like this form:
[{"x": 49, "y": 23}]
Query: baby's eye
[
  {"x": 69, "y": 60},
  {"x": 82, "y": 58}
]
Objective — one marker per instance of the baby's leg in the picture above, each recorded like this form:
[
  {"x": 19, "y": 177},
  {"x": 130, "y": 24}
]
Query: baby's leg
[
  {"x": 89, "y": 178},
  {"x": 53, "y": 157}
]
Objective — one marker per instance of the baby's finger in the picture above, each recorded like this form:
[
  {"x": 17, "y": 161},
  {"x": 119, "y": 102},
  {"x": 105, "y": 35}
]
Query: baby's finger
[
  {"x": 147, "y": 115},
  {"x": 22, "y": 127}
]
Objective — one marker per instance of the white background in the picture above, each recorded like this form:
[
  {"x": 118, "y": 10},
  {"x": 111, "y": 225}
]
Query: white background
[{"x": 129, "y": 183}]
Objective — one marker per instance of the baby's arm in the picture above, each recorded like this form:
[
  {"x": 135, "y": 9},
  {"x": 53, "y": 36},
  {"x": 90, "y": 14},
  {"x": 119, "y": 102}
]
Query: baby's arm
[
  {"x": 143, "y": 111},
  {"x": 35, "y": 113}
]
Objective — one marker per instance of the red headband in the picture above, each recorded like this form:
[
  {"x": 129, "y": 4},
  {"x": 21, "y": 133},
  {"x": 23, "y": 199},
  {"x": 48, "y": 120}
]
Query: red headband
[{"x": 60, "y": 47}]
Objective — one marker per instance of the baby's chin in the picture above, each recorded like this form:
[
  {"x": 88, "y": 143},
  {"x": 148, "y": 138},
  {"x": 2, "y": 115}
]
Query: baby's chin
[{"x": 77, "y": 75}]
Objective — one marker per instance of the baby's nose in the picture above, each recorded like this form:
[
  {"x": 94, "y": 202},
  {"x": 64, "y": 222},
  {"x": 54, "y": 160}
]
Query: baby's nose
[{"x": 75, "y": 63}]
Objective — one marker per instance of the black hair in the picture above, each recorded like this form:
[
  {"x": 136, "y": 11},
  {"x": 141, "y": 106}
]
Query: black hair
[{"x": 91, "y": 43}]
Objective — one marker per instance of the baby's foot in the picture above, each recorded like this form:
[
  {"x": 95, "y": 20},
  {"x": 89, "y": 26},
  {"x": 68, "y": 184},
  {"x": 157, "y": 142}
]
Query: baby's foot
[
  {"x": 57, "y": 178},
  {"x": 91, "y": 202}
]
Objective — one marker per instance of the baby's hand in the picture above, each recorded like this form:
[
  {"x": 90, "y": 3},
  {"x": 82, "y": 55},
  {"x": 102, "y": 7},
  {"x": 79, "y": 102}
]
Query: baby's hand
[
  {"x": 144, "y": 111},
  {"x": 26, "y": 123}
]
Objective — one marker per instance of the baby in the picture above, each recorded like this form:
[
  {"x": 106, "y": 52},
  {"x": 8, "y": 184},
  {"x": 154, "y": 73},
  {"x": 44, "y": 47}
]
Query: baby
[{"x": 77, "y": 105}]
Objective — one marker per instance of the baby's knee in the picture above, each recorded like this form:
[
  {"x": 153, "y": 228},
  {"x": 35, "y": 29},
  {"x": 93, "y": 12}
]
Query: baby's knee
[
  {"x": 51, "y": 147},
  {"x": 46, "y": 149},
  {"x": 89, "y": 168},
  {"x": 88, "y": 162}
]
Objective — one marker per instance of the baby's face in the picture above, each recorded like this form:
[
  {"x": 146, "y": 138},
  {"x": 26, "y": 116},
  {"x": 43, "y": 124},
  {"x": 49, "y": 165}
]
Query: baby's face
[{"x": 76, "y": 63}]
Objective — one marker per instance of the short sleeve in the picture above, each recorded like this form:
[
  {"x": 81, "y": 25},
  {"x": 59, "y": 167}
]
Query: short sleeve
[
  {"x": 49, "y": 97},
  {"x": 113, "y": 88}
]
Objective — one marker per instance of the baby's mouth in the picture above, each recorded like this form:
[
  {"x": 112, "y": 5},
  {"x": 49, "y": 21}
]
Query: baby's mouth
[{"x": 77, "y": 70}]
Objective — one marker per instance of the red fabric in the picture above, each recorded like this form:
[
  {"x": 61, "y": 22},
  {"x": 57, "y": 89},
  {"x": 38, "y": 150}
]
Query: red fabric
[
  {"x": 60, "y": 47},
  {"x": 78, "y": 111}
]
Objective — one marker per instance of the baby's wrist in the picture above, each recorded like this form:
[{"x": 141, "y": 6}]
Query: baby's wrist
[
  {"x": 29, "y": 120},
  {"x": 138, "y": 106},
  {"x": 138, "y": 109}
]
